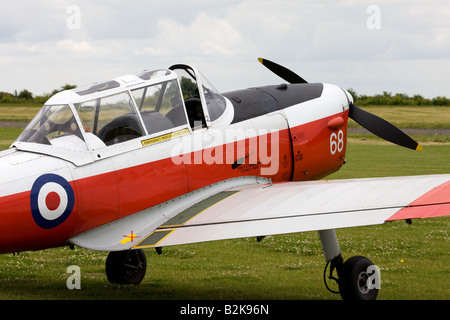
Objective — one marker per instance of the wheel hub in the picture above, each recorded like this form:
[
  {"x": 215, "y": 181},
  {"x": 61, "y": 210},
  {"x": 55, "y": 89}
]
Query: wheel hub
[{"x": 362, "y": 283}]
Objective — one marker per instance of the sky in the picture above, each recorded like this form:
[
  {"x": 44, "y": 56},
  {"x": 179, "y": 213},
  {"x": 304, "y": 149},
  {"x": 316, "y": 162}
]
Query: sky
[{"x": 369, "y": 46}]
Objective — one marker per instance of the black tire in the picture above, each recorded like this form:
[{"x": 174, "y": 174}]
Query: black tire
[
  {"x": 353, "y": 284},
  {"x": 126, "y": 267}
]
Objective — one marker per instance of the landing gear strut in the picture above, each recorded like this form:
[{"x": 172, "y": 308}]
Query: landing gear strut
[
  {"x": 126, "y": 267},
  {"x": 358, "y": 277}
]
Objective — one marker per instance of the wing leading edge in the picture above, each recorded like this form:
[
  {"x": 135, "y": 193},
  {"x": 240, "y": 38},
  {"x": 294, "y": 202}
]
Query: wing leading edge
[{"x": 260, "y": 208}]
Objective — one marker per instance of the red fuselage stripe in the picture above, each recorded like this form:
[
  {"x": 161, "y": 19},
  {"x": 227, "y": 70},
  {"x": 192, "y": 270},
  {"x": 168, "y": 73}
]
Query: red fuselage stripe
[{"x": 107, "y": 197}]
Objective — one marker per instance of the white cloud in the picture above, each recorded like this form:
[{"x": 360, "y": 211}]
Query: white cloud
[
  {"x": 205, "y": 36},
  {"x": 322, "y": 41},
  {"x": 69, "y": 45}
]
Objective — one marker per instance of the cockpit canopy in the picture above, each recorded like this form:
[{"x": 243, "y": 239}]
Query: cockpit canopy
[
  {"x": 53, "y": 121},
  {"x": 191, "y": 81},
  {"x": 104, "y": 114}
]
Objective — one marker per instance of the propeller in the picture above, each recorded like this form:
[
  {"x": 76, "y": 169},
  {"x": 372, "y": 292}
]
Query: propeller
[
  {"x": 382, "y": 128},
  {"x": 282, "y": 72},
  {"x": 367, "y": 120}
]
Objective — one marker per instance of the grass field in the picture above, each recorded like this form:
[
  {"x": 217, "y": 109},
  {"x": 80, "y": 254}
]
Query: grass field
[
  {"x": 414, "y": 259},
  {"x": 18, "y": 112},
  {"x": 402, "y": 116},
  {"x": 7, "y": 136},
  {"x": 422, "y": 117}
]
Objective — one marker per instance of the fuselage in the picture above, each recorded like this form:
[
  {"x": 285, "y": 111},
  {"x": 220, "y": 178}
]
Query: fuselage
[{"x": 287, "y": 132}]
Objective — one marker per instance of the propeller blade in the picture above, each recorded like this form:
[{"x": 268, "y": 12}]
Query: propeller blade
[
  {"x": 371, "y": 122},
  {"x": 382, "y": 128},
  {"x": 282, "y": 72}
]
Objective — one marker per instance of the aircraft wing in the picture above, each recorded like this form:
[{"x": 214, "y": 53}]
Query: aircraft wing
[{"x": 247, "y": 207}]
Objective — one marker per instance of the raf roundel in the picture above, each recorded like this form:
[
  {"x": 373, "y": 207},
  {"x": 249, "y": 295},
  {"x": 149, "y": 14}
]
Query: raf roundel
[{"x": 52, "y": 200}]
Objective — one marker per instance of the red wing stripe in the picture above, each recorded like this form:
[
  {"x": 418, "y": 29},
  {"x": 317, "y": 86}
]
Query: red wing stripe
[
  {"x": 440, "y": 194},
  {"x": 435, "y": 203}
]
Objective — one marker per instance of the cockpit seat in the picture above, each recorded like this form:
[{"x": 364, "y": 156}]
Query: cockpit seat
[
  {"x": 156, "y": 122},
  {"x": 195, "y": 112},
  {"x": 123, "y": 128},
  {"x": 177, "y": 116}
]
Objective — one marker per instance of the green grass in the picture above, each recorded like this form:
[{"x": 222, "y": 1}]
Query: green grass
[
  {"x": 419, "y": 117},
  {"x": 7, "y": 136},
  {"x": 18, "y": 111},
  {"x": 372, "y": 157},
  {"x": 280, "y": 267}
]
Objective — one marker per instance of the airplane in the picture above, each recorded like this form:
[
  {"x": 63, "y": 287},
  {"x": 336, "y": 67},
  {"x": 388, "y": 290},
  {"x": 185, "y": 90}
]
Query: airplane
[{"x": 161, "y": 158}]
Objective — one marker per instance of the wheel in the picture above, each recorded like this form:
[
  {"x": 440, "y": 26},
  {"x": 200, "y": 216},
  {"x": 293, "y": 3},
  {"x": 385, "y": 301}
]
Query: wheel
[
  {"x": 126, "y": 267},
  {"x": 356, "y": 281}
]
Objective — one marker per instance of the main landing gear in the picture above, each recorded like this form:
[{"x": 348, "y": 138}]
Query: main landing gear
[
  {"x": 358, "y": 277},
  {"x": 126, "y": 267}
]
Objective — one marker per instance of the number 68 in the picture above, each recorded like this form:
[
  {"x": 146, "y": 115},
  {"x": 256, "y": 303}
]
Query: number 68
[{"x": 336, "y": 142}]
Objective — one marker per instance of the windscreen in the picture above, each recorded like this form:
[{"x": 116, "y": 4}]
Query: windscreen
[{"x": 54, "y": 125}]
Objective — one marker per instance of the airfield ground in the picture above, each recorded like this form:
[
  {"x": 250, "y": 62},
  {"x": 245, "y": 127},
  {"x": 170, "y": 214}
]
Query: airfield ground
[{"x": 414, "y": 259}]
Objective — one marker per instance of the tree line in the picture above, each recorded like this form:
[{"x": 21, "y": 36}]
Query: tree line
[
  {"x": 386, "y": 98},
  {"x": 398, "y": 99},
  {"x": 26, "y": 96}
]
